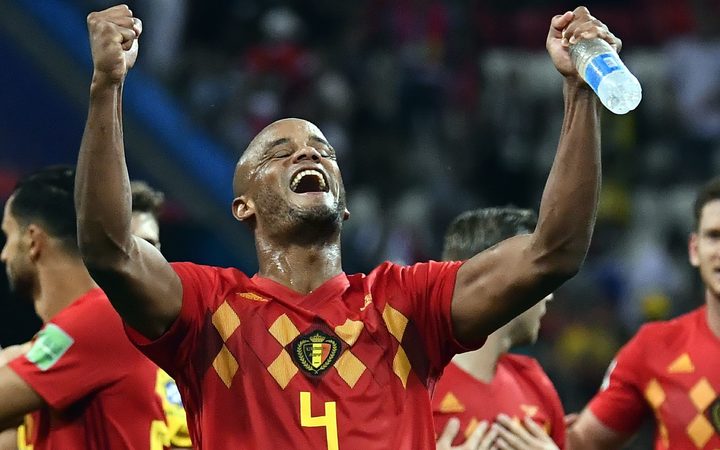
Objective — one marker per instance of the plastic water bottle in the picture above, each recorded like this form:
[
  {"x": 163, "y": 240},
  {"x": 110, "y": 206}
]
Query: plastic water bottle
[{"x": 601, "y": 67}]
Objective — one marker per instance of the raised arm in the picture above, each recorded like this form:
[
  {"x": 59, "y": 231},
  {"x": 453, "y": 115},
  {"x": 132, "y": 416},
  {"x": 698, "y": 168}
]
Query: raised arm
[
  {"x": 501, "y": 282},
  {"x": 141, "y": 285}
]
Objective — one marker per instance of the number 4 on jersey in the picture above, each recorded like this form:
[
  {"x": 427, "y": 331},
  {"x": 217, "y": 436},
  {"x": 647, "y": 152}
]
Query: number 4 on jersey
[{"x": 329, "y": 420}]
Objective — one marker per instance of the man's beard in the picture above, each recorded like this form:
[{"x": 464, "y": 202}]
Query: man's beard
[
  {"x": 21, "y": 285},
  {"x": 301, "y": 225}
]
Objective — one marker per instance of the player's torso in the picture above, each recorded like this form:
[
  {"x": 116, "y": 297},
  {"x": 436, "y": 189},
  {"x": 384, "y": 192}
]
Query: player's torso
[
  {"x": 328, "y": 369},
  {"x": 512, "y": 392},
  {"x": 682, "y": 388}
]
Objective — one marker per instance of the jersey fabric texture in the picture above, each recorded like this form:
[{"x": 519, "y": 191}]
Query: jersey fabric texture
[
  {"x": 99, "y": 389},
  {"x": 520, "y": 388},
  {"x": 348, "y": 366},
  {"x": 670, "y": 370}
]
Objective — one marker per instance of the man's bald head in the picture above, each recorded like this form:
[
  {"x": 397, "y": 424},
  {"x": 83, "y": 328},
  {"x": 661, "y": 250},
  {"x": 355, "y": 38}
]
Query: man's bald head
[{"x": 273, "y": 134}]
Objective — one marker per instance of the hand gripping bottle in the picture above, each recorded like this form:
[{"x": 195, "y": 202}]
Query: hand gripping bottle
[{"x": 600, "y": 66}]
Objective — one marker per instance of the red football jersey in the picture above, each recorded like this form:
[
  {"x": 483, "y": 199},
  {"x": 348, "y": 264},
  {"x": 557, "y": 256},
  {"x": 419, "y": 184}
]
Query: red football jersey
[
  {"x": 348, "y": 366},
  {"x": 99, "y": 390},
  {"x": 520, "y": 388},
  {"x": 672, "y": 371}
]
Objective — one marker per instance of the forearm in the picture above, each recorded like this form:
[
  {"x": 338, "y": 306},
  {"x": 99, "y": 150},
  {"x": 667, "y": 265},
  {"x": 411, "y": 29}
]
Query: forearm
[
  {"x": 569, "y": 202},
  {"x": 102, "y": 189}
]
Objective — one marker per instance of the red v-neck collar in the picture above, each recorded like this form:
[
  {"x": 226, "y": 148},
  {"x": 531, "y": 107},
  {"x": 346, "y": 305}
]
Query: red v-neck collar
[{"x": 333, "y": 287}]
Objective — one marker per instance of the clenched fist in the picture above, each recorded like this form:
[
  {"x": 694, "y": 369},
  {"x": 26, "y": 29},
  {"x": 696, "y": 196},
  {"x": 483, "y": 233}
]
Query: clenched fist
[
  {"x": 114, "y": 35},
  {"x": 569, "y": 28}
]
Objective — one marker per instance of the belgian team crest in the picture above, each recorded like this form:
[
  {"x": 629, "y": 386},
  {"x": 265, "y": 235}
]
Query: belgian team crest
[
  {"x": 316, "y": 352},
  {"x": 713, "y": 413}
]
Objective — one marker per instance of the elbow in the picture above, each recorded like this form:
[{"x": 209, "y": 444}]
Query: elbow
[{"x": 560, "y": 265}]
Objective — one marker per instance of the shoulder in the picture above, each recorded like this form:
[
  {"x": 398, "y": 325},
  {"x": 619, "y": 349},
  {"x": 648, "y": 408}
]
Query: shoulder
[
  {"x": 664, "y": 333},
  {"x": 390, "y": 270},
  {"x": 92, "y": 310},
  {"x": 212, "y": 275},
  {"x": 528, "y": 366},
  {"x": 521, "y": 362}
]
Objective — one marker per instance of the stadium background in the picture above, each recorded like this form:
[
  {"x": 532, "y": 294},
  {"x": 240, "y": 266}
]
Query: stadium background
[{"x": 434, "y": 107}]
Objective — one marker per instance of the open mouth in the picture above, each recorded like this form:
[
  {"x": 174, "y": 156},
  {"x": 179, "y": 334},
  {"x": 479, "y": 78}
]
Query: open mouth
[{"x": 309, "y": 180}]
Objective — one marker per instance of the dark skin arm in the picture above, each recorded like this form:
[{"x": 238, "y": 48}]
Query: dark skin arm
[
  {"x": 8, "y": 439},
  {"x": 136, "y": 277},
  {"x": 505, "y": 280}
]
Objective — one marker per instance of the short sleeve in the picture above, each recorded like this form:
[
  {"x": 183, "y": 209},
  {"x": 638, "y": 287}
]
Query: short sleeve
[
  {"x": 620, "y": 404},
  {"x": 69, "y": 359},
  {"x": 427, "y": 290},
  {"x": 172, "y": 349}
]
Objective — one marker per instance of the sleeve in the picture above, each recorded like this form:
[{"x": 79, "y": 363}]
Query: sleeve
[
  {"x": 171, "y": 350},
  {"x": 425, "y": 292},
  {"x": 69, "y": 360},
  {"x": 620, "y": 404}
]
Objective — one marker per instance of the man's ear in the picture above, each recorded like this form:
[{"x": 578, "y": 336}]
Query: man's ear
[
  {"x": 36, "y": 241},
  {"x": 243, "y": 208}
]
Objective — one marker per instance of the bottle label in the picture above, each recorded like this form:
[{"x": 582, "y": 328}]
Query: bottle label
[{"x": 600, "y": 66}]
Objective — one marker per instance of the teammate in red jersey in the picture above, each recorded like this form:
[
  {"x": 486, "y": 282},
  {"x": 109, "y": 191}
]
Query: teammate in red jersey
[
  {"x": 669, "y": 370},
  {"x": 478, "y": 386},
  {"x": 302, "y": 355},
  {"x": 85, "y": 384}
]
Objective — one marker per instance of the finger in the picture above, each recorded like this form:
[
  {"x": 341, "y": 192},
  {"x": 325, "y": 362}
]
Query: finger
[
  {"x": 503, "y": 444},
  {"x": 137, "y": 26},
  {"x": 534, "y": 428},
  {"x": 587, "y": 30},
  {"x": 615, "y": 41},
  {"x": 513, "y": 425},
  {"x": 512, "y": 438},
  {"x": 127, "y": 45},
  {"x": 449, "y": 432},
  {"x": 128, "y": 37},
  {"x": 558, "y": 23},
  {"x": 474, "y": 439},
  {"x": 118, "y": 9},
  {"x": 488, "y": 440},
  {"x": 581, "y": 13},
  {"x": 122, "y": 21}
]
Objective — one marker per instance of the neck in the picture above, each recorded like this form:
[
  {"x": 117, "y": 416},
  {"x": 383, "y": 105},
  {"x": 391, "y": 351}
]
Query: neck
[
  {"x": 482, "y": 363},
  {"x": 713, "y": 312},
  {"x": 61, "y": 282},
  {"x": 302, "y": 268}
]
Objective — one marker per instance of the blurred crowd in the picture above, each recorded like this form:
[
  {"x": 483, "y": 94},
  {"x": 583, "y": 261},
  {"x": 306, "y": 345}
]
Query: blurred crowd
[{"x": 440, "y": 106}]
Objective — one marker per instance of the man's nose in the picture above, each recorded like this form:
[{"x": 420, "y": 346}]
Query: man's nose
[{"x": 307, "y": 153}]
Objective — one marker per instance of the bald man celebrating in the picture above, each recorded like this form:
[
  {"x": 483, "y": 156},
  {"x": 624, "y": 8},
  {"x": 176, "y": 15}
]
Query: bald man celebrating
[{"x": 302, "y": 355}]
